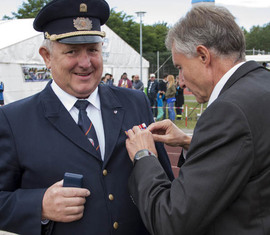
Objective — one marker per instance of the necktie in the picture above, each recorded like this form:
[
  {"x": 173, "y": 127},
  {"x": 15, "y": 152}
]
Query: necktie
[{"x": 85, "y": 123}]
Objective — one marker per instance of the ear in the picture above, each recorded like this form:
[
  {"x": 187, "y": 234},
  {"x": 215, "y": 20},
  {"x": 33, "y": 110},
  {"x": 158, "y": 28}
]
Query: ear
[
  {"x": 204, "y": 54},
  {"x": 46, "y": 55}
]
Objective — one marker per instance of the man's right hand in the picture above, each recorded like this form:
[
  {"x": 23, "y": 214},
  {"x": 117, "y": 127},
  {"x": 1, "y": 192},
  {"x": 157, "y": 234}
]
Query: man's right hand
[
  {"x": 63, "y": 204},
  {"x": 167, "y": 132}
]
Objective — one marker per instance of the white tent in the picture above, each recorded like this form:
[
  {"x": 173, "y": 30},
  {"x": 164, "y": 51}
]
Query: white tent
[
  {"x": 19, "y": 55},
  {"x": 259, "y": 58}
]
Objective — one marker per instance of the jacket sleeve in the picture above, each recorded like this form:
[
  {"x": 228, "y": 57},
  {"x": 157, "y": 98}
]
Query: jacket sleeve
[
  {"x": 216, "y": 170},
  {"x": 20, "y": 208},
  {"x": 163, "y": 156}
]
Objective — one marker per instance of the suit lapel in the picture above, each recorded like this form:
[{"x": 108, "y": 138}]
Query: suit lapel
[
  {"x": 240, "y": 73},
  {"x": 60, "y": 118},
  {"x": 112, "y": 115}
]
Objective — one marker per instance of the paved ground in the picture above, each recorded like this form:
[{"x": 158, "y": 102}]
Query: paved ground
[{"x": 174, "y": 153}]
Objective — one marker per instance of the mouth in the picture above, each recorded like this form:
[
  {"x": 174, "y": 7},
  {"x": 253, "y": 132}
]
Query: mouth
[{"x": 83, "y": 74}]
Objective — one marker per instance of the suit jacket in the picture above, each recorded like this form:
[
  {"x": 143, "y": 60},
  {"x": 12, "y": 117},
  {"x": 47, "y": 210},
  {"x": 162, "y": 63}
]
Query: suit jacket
[
  {"x": 39, "y": 142},
  {"x": 224, "y": 185},
  {"x": 152, "y": 94}
]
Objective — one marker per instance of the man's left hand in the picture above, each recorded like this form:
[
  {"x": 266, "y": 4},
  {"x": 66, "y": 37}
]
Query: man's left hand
[{"x": 139, "y": 139}]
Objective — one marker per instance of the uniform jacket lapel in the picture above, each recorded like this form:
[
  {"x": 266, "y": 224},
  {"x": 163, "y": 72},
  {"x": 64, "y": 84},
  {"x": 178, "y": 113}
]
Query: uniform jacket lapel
[
  {"x": 112, "y": 115},
  {"x": 60, "y": 118}
]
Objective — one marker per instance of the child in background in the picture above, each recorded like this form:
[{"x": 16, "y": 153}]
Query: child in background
[{"x": 160, "y": 97}]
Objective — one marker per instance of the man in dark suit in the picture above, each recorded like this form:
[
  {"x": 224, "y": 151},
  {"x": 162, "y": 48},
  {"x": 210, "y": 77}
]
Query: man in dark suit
[
  {"x": 152, "y": 90},
  {"x": 40, "y": 139},
  {"x": 162, "y": 88},
  {"x": 223, "y": 186}
]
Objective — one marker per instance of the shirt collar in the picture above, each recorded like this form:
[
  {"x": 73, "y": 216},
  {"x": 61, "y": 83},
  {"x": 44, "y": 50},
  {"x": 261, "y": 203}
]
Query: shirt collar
[
  {"x": 68, "y": 100},
  {"x": 217, "y": 89}
]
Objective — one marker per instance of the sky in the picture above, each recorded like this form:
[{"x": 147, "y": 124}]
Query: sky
[{"x": 248, "y": 13}]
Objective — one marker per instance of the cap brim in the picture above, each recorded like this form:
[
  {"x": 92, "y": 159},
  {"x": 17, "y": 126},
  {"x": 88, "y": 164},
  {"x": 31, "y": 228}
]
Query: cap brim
[{"x": 82, "y": 39}]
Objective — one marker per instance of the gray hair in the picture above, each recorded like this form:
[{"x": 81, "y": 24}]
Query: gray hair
[
  {"x": 211, "y": 26},
  {"x": 48, "y": 44}
]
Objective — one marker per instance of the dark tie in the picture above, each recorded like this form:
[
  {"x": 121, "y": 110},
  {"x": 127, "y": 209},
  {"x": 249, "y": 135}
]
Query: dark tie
[{"x": 85, "y": 123}]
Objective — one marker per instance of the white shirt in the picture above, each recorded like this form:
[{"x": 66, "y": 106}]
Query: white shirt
[
  {"x": 93, "y": 111},
  {"x": 217, "y": 89}
]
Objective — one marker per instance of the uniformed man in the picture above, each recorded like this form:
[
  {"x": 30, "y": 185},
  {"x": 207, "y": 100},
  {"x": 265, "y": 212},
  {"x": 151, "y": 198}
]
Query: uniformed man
[{"x": 40, "y": 139}]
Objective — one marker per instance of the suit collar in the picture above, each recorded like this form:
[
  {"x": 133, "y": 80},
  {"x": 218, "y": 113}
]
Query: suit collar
[
  {"x": 240, "y": 73},
  {"x": 60, "y": 118}
]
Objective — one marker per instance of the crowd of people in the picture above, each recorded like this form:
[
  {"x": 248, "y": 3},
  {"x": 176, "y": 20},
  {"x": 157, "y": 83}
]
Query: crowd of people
[
  {"x": 165, "y": 96},
  {"x": 124, "y": 81}
]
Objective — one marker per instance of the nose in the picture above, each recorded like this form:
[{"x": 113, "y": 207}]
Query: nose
[
  {"x": 84, "y": 60},
  {"x": 181, "y": 80}
]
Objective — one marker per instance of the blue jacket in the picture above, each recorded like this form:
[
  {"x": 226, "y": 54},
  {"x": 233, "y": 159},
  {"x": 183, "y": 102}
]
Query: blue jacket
[{"x": 39, "y": 142}]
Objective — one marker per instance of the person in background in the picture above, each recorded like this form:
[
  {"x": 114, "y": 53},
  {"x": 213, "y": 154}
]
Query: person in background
[
  {"x": 223, "y": 186},
  {"x": 179, "y": 96},
  {"x": 103, "y": 80},
  {"x": 170, "y": 96},
  {"x": 124, "y": 81},
  {"x": 137, "y": 83},
  {"x": 132, "y": 79},
  {"x": 152, "y": 90},
  {"x": 108, "y": 79},
  {"x": 265, "y": 65},
  {"x": 2, "y": 94},
  {"x": 162, "y": 87},
  {"x": 160, "y": 98},
  {"x": 74, "y": 125}
]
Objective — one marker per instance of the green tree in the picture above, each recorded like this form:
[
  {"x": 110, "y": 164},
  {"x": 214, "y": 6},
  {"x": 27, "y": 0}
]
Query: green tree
[
  {"x": 258, "y": 38},
  {"x": 29, "y": 9},
  {"x": 153, "y": 38},
  {"x": 125, "y": 27}
]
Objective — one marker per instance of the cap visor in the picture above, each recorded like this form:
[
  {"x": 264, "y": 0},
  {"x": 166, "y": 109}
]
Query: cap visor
[{"x": 83, "y": 39}]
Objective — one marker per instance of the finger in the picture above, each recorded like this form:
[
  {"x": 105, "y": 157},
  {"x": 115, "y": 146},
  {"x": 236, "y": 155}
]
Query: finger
[
  {"x": 158, "y": 138},
  {"x": 129, "y": 133},
  {"x": 59, "y": 183},
  {"x": 156, "y": 127},
  {"x": 136, "y": 129},
  {"x": 74, "y": 210},
  {"x": 75, "y": 192},
  {"x": 71, "y": 217},
  {"x": 73, "y": 201}
]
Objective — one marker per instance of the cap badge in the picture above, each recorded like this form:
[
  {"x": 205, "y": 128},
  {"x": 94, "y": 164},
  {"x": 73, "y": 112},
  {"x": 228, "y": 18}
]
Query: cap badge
[
  {"x": 82, "y": 23},
  {"x": 83, "y": 7}
]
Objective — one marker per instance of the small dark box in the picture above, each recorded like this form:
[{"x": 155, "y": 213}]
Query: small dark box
[{"x": 73, "y": 180}]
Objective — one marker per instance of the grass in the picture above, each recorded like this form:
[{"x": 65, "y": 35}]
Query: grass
[{"x": 194, "y": 109}]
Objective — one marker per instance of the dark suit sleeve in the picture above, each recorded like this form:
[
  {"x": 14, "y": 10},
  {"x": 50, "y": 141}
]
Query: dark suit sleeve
[
  {"x": 163, "y": 156},
  {"x": 20, "y": 208},
  {"x": 217, "y": 168}
]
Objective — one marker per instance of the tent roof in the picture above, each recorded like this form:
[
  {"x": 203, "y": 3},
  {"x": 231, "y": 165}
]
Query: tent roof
[
  {"x": 259, "y": 58},
  {"x": 16, "y": 31}
]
